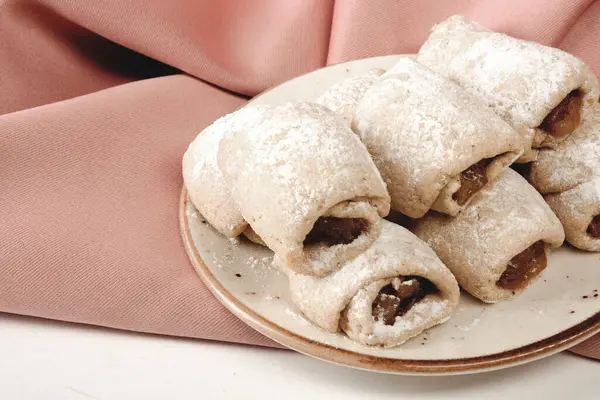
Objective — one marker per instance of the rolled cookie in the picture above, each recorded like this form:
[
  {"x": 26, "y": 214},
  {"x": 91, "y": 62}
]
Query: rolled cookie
[
  {"x": 579, "y": 211},
  {"x": 202, "y": 178},
  {"x": 307, "y": 186},
  {"x": 541, "y": 91},
  {"x": 499, "y": 244},
  {"x": 393, "y": 291},
  {"x": 573, "y": 162},
  {"x": 434, "y": 145}
]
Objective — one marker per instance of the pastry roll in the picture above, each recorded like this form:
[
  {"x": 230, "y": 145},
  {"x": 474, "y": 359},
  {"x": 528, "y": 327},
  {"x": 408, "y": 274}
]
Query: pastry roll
[
  {"x": 343, "y": 97},
  {"x": 541, "y": 91},
  {"x": 306, "y": 185},
  {"x": 394, "y": 291},
  {"x": 434, "y": 145},
  {"x": 573, "y": 162},
  {"x": 579, "y": 211},
  {"x": 203, "y": 181},
  {"x": 570, "y": 177},
  {"x": 499, "y": 244}
]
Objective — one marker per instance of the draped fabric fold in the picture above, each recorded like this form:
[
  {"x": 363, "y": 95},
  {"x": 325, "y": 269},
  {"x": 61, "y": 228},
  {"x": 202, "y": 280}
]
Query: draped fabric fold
[{"x": 99, "y": 99}]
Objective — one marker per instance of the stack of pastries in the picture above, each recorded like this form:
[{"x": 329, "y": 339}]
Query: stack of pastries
[{"x": 392, "y": 188}]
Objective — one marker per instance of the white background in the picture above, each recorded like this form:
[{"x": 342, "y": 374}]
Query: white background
[{"x": 42, "y": 359}]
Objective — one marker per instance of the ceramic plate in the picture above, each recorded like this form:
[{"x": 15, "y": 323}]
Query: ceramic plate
[{"x": 560, "y": 310}]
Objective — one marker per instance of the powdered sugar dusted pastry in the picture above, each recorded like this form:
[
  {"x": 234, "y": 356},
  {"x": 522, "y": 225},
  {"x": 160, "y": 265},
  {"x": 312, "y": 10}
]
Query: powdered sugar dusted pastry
[
  {"x": 343, "y": 97},
  {"x": 579, "y": 211},
  {"x": 201, "y": 175},
  {"x": 434, "y": 145},
  {"x": 394, "y": 291},
  {"x": 570, "y": 177},
  {"x": 499, "y": 244},
  {"x": 573, "y": 162},
  {"x": 307, "y": 186},
  {"x": 541, "y": 91}
]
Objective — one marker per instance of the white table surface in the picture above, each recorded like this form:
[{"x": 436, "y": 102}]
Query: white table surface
[{"x": 49, "y": 360}]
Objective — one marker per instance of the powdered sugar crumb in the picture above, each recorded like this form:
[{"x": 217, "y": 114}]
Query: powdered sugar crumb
[
  {"x": 192, "y": 212},
  {"x": 466, "y": 328}
]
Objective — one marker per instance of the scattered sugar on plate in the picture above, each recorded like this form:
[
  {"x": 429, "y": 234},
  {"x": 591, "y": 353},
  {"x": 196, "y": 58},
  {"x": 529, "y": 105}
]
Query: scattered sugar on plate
[{"x": 466, "y": 328}]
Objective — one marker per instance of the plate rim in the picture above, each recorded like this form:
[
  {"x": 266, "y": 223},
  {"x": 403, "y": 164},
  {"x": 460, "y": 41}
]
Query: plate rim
[{"x": 520, "y": 355}]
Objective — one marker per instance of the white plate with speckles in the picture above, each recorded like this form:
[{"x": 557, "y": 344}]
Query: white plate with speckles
[{"x": 558, "y": 311}]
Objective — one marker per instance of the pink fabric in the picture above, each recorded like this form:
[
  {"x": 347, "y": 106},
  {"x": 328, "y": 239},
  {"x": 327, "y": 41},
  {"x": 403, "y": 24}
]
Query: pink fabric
[{"x": 99, "y": 99}]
